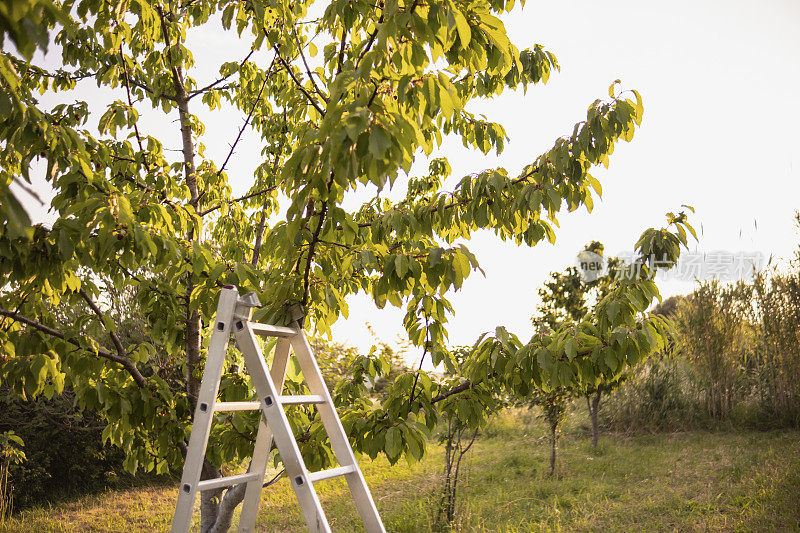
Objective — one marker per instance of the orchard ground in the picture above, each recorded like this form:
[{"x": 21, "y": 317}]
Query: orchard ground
[{"x": 719, "y": 481}]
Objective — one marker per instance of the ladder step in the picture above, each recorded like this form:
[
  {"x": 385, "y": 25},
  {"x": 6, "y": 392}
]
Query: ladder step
[
  {"x": 237, "y": 406},
  {"x": 255, "y": 406},
  {"x": 332, "y": 472},
  {"x": 301, "y": 399},
  {"x": 268, "y": 330},
  {"x": 226, "y": 481}
]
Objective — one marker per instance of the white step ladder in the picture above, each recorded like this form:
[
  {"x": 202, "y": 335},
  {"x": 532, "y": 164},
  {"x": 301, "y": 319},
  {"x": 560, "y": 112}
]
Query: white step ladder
[{"x": 233, "y": 316}]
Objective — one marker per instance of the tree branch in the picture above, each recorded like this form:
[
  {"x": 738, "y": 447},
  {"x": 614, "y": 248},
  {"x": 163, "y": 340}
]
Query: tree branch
[
  {"x": 455, "y": 390},
  {"x": 311, "y": 246},
  {"x": 421, "y": 360},
  {"x": 340, "y": 59},
  {"x": 146, "y": 88},
  {"x": 93, "y": 306},
  {"x": 308, "y": 70},
  {"x": 340, "y": 245},
  {"x": 297, "y": 82},
  {"x": 249, "y": 116},
  {"x": 274, "y": 479},
  {"x": 211, "y": 85},
  {"x": 123, "y": 360},
  {"x": 239, "y": 199}
]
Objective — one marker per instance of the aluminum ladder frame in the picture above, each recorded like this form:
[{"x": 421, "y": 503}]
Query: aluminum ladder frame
[{"x": 233, "y": 316}]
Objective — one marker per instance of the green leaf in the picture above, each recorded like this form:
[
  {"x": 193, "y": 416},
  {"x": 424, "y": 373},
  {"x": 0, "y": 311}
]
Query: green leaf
[
  {"x": 595, "y": 183},
  {"x": 394, "y": 443},
  {"x": 464, "y": 32},
  {"x": 401, "y": 265},
  {"x": 12, "y": 211},
  {"x": 379, "y": 142},
  {"x": 570, "y": 349},
  {"x": 613, "y": 311}
]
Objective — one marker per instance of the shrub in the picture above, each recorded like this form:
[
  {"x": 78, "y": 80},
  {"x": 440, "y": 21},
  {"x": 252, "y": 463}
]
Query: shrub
[
  {"x": 63, "y": 446},
  {"x": 10, "y": 454},
  {"x": 653, "y": 399}
]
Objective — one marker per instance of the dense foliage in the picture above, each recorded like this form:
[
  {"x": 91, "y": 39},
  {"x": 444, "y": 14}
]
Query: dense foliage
[{"x": 64, "y": 453}]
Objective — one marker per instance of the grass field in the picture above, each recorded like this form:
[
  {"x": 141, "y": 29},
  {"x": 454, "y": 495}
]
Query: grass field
[{"x": 724, "y": 481}]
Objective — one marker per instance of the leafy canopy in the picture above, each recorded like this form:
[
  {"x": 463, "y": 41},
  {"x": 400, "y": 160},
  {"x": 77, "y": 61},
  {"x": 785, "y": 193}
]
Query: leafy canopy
[{"x": 344, "y": 98}]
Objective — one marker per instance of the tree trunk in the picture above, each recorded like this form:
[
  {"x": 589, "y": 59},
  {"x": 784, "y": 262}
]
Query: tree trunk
[
  {"x": 209, "y": 500},
  {"x": 552, "y": 450},
  {"x": 193, "y": 321},
  {"x": 218, "y": 505},
  {"x": 595, "y": 405},
  {"x": 443, "y": 512},
  {"x": 209, "y": 509},
  {"x": 233, "y": 497}
]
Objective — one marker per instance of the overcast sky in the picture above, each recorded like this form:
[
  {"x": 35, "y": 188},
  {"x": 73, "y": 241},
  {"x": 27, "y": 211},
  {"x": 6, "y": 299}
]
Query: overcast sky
[{"x": 720, "y": 82}]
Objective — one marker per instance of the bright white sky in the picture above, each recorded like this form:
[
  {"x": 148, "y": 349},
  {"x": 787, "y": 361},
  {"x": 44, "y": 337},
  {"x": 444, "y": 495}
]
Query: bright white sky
[{"x": 720, "y": 86}]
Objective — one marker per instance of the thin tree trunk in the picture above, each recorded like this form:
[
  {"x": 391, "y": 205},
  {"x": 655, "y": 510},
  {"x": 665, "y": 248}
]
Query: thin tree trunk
[
  {"x": 209, "y": 500},
  {"x": 552, "y": 450},
  {"x": 193, "y": 321},
  {"x": 462, "y": 450},
  {"x": 262, "y": 223},
  {"x": 595, "y": 405},
  {"x": 449, "y": 453}
]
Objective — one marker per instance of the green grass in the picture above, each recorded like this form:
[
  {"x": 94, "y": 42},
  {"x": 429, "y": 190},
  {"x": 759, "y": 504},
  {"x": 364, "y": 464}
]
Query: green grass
[{"x": 723, "y": 481}]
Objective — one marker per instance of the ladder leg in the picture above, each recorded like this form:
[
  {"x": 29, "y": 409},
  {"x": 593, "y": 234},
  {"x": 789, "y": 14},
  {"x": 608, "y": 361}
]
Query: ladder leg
[
  {"x": 247, "y": 520},
  {"x": 204, "y": 412},
  {"x": 284, "y": 440},
  {"x": 339, "y": 443}
]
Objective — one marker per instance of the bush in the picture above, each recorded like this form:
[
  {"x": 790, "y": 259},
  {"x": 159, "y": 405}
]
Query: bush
[
  {"x": 11, "y": 453},
  {"x": 652, "y": 399},
  {"x": 734, "y": 360},
  {"x": 63, "y": 448}
]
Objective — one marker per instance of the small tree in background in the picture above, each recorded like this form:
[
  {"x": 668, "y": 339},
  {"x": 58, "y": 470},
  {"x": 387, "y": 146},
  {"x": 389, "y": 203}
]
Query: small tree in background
[
  {"x": 617, "y": 334},
  {"x": 395, "y": 355},
  {"x": 462, "y": 417},
  {"x": 566, "y": 298},
  {"x": 554, "y": 404},
  {"x": 457, "y": 437}
]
